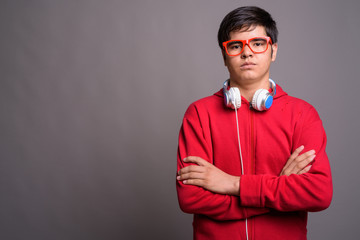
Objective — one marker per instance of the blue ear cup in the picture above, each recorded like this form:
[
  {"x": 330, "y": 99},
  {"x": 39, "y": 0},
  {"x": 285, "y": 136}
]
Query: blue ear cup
[
  {"x": 232, "y": 96},
  {"x": 263, "y": 99}
]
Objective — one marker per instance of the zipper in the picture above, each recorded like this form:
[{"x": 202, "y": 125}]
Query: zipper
[
  {"x": 252, "y": 163},
  {"x": 252, "y": 142}
]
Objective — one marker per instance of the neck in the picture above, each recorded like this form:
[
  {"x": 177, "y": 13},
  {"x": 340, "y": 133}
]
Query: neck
[{"x": 248, "y": 88}]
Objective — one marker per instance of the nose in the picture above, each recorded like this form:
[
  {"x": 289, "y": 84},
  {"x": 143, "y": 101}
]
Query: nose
[{"x": 246, "y": 52}]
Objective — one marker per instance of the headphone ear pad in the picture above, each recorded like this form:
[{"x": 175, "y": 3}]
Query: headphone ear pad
[
  {"x": 232, "y": 98},
  {"x": 262, "y": 100},
  {"x": 235, "y": 97}
]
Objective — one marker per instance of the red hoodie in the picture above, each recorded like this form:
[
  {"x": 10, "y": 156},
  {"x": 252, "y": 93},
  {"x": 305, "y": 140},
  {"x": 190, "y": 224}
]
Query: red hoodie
[{"x": 276, "y": 206}]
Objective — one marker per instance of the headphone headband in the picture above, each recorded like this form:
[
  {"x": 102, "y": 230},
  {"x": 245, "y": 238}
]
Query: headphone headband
[{"x": 273, "y": 87}]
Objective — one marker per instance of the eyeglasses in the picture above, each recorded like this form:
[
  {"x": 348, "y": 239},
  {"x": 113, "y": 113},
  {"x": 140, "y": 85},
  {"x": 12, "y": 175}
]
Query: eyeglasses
[{"x": 256, "y": 45}]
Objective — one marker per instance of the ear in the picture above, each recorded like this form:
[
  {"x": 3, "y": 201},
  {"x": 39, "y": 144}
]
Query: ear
[
  {"x": 224, "y": 56},
  {"x": 274, "y": 51}
]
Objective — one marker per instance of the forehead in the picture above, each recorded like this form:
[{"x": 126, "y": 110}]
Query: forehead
[{"x": 246, "y": 33}]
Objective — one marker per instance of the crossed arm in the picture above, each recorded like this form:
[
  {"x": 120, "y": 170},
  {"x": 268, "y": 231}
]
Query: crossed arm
[
  {"x": 211, "y": 178},
  {"x": 204, "y": 189}
]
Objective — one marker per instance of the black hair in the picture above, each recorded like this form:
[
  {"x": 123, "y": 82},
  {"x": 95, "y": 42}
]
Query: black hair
[{"x": 245, "y": 18}]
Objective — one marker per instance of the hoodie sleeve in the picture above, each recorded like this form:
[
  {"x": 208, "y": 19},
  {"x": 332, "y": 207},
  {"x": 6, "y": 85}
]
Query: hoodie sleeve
[
  {"x": 311, "y": 191},
  {"x": 197, "y": 200}
]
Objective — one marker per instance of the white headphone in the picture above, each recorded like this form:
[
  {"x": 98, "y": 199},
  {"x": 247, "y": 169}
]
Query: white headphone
[{"x": 262, "y": 99}]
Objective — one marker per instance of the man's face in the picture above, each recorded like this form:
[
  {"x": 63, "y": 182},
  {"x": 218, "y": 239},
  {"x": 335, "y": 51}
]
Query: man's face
[{"x": 249, "y": 66}]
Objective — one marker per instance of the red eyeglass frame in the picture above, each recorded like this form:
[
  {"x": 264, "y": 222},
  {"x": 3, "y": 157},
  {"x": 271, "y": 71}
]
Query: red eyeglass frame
[{"x": 246, "y": 42}]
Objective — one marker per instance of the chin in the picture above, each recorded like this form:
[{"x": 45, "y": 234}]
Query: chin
[{"x": 248, "y": 77}]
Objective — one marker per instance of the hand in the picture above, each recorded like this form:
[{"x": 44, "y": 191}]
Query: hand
[
  {"x": 298, "y": 164},
  {"x": 206, "y": 175}
]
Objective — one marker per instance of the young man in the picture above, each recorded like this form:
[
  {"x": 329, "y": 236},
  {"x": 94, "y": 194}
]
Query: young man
[{"x": 253, "y": 167}]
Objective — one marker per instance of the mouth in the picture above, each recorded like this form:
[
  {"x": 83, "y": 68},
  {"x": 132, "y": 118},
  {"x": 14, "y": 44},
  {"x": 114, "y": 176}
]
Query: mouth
[{"x": 246, "y": 64}]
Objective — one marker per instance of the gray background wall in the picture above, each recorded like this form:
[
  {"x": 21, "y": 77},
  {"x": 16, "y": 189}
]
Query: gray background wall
[{"x": 92, "y": 95}]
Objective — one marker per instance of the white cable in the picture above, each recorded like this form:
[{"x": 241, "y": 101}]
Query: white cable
[
  {"x": 241, "y": 162},
  {"x": 238, "y": 133}
]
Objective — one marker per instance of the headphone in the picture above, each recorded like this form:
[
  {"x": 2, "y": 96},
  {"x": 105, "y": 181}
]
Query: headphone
[{"x": 262, "y": 99}]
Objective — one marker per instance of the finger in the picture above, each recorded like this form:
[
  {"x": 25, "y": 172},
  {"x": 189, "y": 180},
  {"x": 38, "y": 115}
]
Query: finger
[
  {"x": 297, "y": 165},
  {"x": 198, "y": 160},
  {"x": 294, "y": 155},
  {"x": 305, "y": 170},
  {"x": 195, "y": 182},
  {"x": 305, "y": 155},
  {"x": 300, "y": 158},
  {"x": 191, "y": 168},
  {"x": 192, "y": 175}
]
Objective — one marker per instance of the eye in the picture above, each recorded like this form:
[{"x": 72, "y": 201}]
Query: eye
[
  {"x": 234, "y": 45},
  {"x": 258, "y": 42}
]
